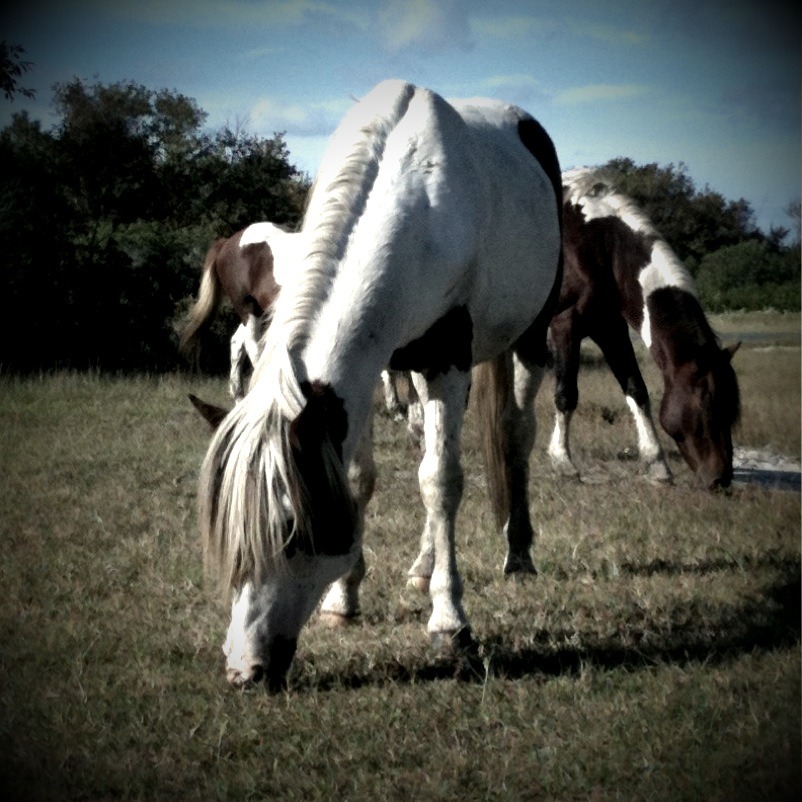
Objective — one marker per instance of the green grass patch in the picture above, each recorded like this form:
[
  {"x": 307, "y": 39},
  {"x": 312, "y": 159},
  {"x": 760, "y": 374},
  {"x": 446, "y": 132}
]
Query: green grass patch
[{"x": 655, "y": 656}]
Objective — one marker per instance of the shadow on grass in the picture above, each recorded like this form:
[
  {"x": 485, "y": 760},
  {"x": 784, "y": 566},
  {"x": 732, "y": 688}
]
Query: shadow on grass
[{"x": 762, "y": 624}]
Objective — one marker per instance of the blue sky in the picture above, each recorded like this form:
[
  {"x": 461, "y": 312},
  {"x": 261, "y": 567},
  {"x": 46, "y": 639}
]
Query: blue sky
[{"x": 714, "y": 84}]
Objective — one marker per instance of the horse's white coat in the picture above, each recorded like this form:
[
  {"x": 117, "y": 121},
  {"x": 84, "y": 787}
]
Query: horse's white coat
[{"x": 419, "y": 207}]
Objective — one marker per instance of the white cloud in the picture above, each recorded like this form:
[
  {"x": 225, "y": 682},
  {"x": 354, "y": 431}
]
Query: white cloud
[
  {"x": 308, "y": 120},
  {"x": 226, "y": 13},
  {"x": 596, "y": 93},
  {"x": 517, "y": 80},
  {"x": 606, "y": 33},
  {"x": 429, "y": 25},
  {"x": 509, "y": 27}
]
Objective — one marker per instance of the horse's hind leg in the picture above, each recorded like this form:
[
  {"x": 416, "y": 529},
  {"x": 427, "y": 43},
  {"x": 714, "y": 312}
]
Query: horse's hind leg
[
  {"x": 617, "y": 348},
  {"x": 341, "y": 603},
  {"x": 565, "y": 340},
  {"x": 519, "y": 439}
]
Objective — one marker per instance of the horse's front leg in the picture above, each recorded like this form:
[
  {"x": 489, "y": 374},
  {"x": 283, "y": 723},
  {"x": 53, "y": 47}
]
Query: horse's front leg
[
  {"x": 239, "y": 357},
  {"x": 617, "y": 348},
  {"x": 392, "y": 402},
  {"x": 443, "y": 400},
  {"x": 341, "y": 603}
]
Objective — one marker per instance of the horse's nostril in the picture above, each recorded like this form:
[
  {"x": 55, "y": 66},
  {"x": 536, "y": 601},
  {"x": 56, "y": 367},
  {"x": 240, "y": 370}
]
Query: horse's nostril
[{"x": 257, "y": 673}]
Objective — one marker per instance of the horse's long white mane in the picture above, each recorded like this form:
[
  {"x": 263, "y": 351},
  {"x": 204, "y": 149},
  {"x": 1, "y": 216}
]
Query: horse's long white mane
[
  {"x": 248, "y": 486},
  {"x": 594, "y": 191}
]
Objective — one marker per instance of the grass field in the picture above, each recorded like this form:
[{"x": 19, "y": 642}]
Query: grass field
[{"x": 656, "y": 656}]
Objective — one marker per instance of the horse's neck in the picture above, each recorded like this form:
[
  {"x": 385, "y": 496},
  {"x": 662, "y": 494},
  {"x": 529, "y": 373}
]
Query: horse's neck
[
  {"x": 659, "y": 279},
  {"x": 678, "y": 328},
  {"x": 349, "y": 347}
]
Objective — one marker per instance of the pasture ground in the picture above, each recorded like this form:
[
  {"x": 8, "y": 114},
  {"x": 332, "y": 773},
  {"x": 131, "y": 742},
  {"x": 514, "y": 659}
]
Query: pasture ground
[{"x": 656, "y": 656}]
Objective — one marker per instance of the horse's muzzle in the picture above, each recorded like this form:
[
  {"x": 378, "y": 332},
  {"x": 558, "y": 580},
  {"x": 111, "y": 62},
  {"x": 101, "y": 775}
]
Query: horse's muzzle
[{"x": 282, "y": 650}]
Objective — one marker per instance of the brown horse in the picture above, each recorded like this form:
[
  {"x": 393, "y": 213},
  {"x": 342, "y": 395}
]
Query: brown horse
[
  {"x": 248, "y": 268},
  {"x": 620, "y": 272}
]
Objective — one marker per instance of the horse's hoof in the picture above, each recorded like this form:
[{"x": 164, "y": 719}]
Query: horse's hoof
[
  {"x": 453, "y": 644},
  {"x": 242, "y": 682},
  {"x": 336, "y": 620},
  {"x": 419, "y": 583},
  {"x": 659, "y": 474},
  {"x": 519, "y": 566}
]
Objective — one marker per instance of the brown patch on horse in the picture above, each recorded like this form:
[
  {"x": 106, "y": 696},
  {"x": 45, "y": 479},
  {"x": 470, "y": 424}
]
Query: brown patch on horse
[
  {"x": 446, "y": 344},
  {"x": 246, "y": 276},
  {"x": 603, "y": 258},
  {"x": 539, "y": 144}
]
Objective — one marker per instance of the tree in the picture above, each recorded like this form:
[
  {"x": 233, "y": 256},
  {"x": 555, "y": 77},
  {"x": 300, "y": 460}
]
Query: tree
[
  {"x": 12, "y": 68},
  {"x": 105, "y": 219},
  {"x": 750, "y": 275},
  {"x": 694, "y": 223}
]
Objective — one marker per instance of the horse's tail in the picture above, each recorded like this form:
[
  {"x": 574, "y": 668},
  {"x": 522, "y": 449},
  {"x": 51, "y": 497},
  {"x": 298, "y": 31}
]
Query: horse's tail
[
  {"x": 492, "y": 382},
  {"x": 200, "y": 315}
]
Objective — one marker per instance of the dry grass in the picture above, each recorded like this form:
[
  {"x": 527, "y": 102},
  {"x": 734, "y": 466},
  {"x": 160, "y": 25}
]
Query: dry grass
[{"x": 656, "y": 655}]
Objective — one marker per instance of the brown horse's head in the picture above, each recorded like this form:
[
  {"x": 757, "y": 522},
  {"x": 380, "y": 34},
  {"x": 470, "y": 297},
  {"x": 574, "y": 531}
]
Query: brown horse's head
[{"x": 699, "y": 409}]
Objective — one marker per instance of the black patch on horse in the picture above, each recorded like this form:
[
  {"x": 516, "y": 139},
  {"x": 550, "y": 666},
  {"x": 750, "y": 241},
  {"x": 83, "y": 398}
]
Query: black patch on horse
[
  {"x": 531, "y": 345},
  {"x": 539, "y": 144},
  {"x": 446, "y": 344}
]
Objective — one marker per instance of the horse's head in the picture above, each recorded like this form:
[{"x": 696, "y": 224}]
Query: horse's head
[
  {"x": 280, "y": 526},
  {"x": 699, "y": 409}
]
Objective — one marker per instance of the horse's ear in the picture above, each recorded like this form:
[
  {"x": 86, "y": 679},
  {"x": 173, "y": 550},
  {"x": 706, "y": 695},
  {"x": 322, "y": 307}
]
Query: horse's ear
[
  {"x": 730, "y": 350},
  {"x": 211, "y": 414}
]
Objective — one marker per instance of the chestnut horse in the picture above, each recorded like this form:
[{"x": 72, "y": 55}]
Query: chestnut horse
[
  {"x": 248, "y": 268},
  {"x": 620, "y": 272},
  {"x": 433, "y": 244}
]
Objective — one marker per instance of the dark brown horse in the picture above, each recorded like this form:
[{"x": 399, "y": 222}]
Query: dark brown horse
[
  {"x": 619, "y": 273},
  {"x": 247, "y": 268}
]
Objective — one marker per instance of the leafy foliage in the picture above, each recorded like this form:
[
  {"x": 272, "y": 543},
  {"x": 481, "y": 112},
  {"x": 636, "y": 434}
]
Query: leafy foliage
[
  {"x": 748, "y": 276},
  {"x": 104, "y": 221},
  {"x": 12, "y": 68}
]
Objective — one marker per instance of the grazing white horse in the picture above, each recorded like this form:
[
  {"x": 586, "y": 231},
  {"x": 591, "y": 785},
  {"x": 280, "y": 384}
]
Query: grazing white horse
[{"x": 431, "y": 243}]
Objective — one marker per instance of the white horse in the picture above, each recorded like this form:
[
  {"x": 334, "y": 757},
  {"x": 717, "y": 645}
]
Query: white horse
[{"x": 431, "y": 243}]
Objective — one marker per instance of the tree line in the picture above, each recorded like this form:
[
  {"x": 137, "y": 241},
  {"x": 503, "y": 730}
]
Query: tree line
[{"x": 105, "y": 219}]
